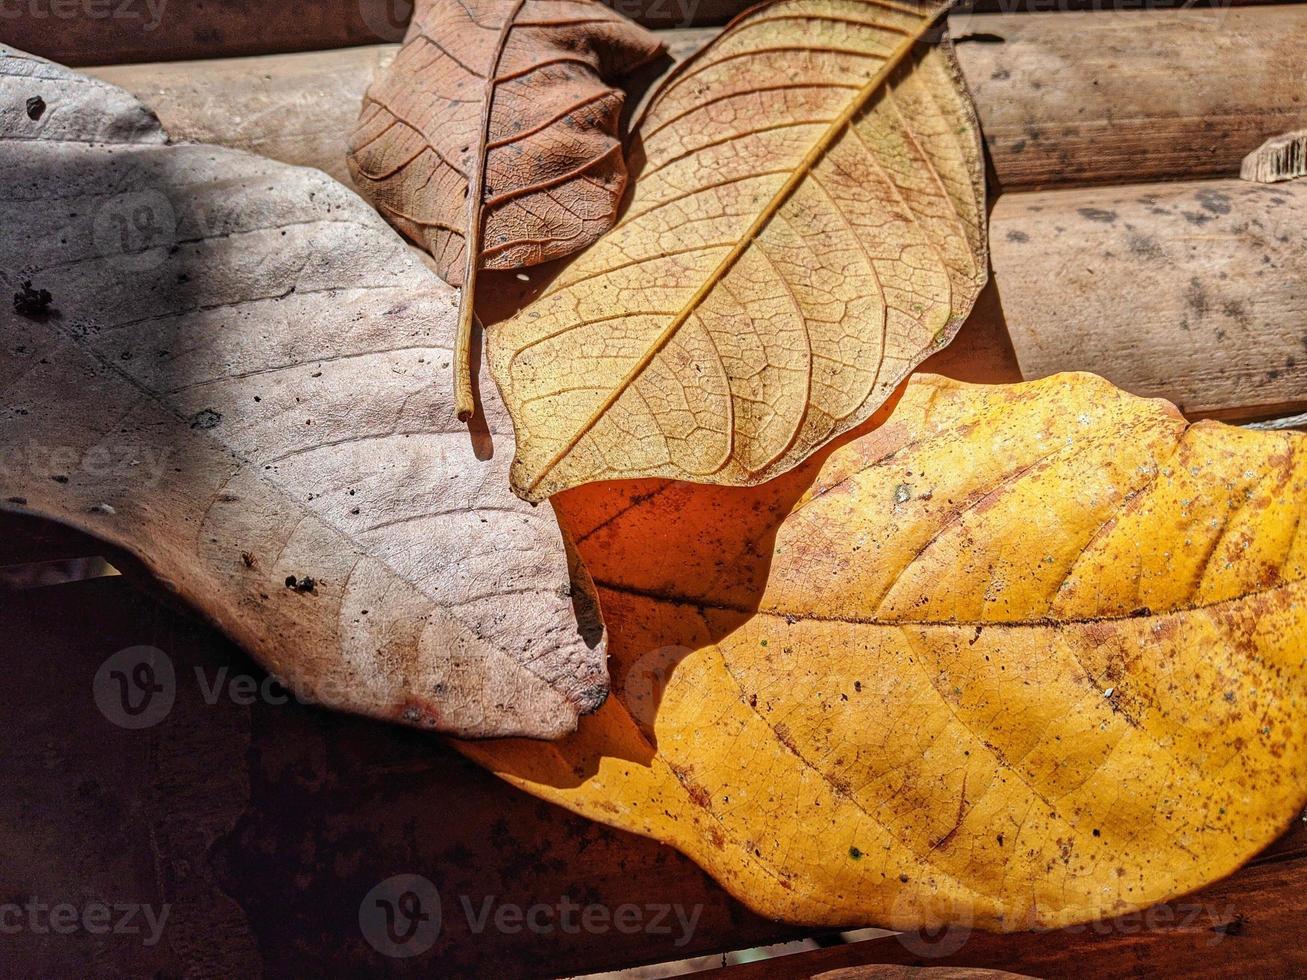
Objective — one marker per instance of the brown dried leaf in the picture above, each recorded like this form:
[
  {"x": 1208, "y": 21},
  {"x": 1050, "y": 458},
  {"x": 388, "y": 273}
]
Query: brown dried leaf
[{"x": 511, "y": 98}]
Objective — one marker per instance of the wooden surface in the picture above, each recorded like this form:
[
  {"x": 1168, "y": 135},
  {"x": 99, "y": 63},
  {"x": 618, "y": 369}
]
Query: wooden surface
[
  {"x": 84, "y": 32},
  {"x": 1253, "y": 924},
  {"x": 1134, "y": 95},
  {"x": 1191, "y": 292},
  {"x": 263, "y": 826},
  {"x": 1065, "y": 99}
]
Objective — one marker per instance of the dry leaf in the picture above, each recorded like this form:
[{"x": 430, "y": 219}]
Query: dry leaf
[
  {"x": 807, "y": 226},
  {"x": 512, "y": 98},
  {"x": 1021, "y": 656},
  {"x": 227, "y": 366}
]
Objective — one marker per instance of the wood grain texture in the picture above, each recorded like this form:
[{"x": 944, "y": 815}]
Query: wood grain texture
[
  {"x": 1065, "y": 99},
  {"x": 1191, "y": 292},
  {"x": 87, "y": 32},
  {"x": 93, "y": 32},
  {"x": 1252, "y": 924},
  {"x": 296, "y": 108},
  {"x": 263, "y": 825},
  {"x": 1130, "y": 96}
]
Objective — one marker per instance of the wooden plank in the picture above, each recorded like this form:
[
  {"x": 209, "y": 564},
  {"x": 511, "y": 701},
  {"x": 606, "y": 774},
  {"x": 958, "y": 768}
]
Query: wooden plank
[
  {"x": 1253, "y": 924},
  {"x": 1132, "y": 96},
  {"x": 262, "y": 826},
  {"x": 1190, "y": 292},
  {"x": 1065, "y": 99},
  {"x": 296, "y": 108},
  {"x": 85, "y": 32}
]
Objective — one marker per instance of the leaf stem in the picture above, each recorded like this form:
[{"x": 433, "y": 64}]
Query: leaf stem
[{"x": 464, "y": 403}]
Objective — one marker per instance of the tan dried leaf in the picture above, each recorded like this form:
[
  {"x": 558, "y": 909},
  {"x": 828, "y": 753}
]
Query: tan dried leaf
[
  {"x": 808, "y": 224},
  {"x": 233, "y": 378}
]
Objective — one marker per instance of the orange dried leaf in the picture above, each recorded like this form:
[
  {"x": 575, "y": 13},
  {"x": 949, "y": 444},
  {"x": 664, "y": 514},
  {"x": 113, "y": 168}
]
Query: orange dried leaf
[
  {"x": 1021, "y": 656},
  {"x": 808, "y": 224}
]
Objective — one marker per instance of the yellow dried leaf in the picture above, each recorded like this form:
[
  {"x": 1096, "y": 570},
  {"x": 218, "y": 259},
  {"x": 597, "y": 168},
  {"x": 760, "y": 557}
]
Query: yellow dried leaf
[
  {"x": 807, "y": 225},
  {"x": 1019, "y": 656}
]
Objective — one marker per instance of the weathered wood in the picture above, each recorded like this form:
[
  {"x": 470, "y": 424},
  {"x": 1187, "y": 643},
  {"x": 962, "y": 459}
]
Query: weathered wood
[
  {"x": 1253, "y": 924},
  {"x": 1191, "y": 292},
  {"x": 1282, "y": 157},
  {"x": 263, "y": 825},
  {"x": 296, "y": 108},
  {"x": 1065, "y": 99},
  {"x": 1130, "y": 96},
  {"x": 85, "y": 32}
]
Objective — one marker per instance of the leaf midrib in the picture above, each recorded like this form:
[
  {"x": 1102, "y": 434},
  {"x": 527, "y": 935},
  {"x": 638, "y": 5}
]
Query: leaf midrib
[{"x": 800, "y": 173}]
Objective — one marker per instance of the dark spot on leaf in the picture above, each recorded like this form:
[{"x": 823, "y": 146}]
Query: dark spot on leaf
[
  {"x": 205, "y": 419},
  {"x": 32, "y": 303},
  {"x": 35, "y": 107}
]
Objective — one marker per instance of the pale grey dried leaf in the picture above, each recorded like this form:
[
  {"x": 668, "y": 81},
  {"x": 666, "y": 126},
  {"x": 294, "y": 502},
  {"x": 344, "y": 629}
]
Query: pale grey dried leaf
[{"x": 237, "y": 378}]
